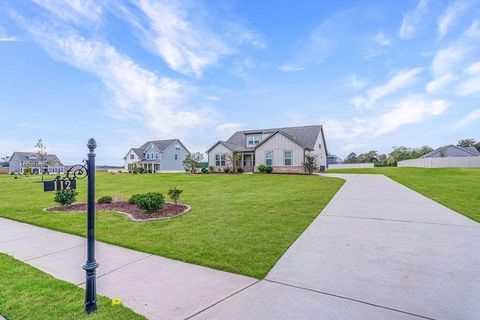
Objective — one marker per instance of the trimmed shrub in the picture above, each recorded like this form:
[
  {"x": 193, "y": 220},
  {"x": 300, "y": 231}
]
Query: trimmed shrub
[
  {"x": 133, "y": 198},
  {"x": 211, "y": 168},
  {"x": 240, "y": 170},
  {"x": 268, "y": 169},
  {"x": 205, "y": 170},
  {"x": 226, "y": 169},
  {"x": 150, "y": 202},
  {"x": 105, "y": 199},
  {"x": 175, "y": 193},
  {"x": 66, "y": 197},
  {"x": 262, "y": 168}
]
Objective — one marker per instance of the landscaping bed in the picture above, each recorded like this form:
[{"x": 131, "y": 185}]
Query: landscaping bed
[{"x": 169, "y": 210}]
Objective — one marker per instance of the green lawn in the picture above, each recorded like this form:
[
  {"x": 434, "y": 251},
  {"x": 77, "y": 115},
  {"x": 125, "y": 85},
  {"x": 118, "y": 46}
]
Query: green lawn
[
  {"x": 27, "y": 293},
  {"x": 455, "y": 188},
  {"x": 238, "y": 223}
]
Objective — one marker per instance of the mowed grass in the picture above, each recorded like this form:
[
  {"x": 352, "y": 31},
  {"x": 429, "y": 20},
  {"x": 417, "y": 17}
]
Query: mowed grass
[
  {"x": 455, "y": 188},
  {"x": 27, "y": 293},
  {"x": 238, "y": 223}
]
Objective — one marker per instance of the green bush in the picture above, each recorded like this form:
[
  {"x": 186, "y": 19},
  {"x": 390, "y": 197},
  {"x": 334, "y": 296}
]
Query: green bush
[
  {"x": 211, "y": 168},
  {"x": 268, "y": 169},
  {"x": 66, "y": 197},
  {"x": 105, "y": 199},
  {"x": 133, "y": 198},
  {"x": 262, "y": 168},
  {"x": 226, "y": 169},
  {"x": 150, "y": 202},
  {"x": 205, "y": 170},
  {"x": 175, "y": 193},
  {"x": 240, "y": 170}
]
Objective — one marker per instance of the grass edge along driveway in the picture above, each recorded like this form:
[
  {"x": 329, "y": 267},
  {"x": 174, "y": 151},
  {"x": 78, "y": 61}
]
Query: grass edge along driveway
[
  {"x": 238, "y": 223},
  {"x": 28, "y": 293},
  {"x": 455, "y": 188}
]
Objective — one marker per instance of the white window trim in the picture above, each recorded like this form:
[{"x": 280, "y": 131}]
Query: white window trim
[
  {"x": 291, "y": 158},
  {"x": 266, "y": 152},
  {"x": 253, "y": 140}
]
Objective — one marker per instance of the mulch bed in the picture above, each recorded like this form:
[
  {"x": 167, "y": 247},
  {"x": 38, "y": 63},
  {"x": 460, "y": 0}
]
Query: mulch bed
[{"x": 169, "y": 209}]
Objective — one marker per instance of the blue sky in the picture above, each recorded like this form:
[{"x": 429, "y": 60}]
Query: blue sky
[{"x": 376, "y": 74}]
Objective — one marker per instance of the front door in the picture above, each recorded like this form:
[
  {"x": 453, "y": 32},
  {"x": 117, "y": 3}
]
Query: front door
[{"x": 248, "y": 162}]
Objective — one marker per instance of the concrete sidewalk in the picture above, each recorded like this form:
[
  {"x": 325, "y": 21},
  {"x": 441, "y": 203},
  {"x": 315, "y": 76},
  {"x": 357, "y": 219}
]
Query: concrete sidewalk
[
  {"x": 378, "y": 251},
  {"x": 156, "y": 287}
]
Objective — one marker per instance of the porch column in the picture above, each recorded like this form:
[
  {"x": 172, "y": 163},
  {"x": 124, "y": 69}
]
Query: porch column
[{"x": 242, "y": 160}]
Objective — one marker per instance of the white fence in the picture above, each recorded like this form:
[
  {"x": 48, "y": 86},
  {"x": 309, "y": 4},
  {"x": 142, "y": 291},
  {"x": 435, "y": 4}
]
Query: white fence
[
  {"x": 350, "y": 166},
  {"x": 445, "y": 162}
]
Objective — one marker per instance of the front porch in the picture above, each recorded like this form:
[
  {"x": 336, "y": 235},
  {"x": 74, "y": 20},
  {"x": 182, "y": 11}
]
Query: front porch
[
  {"x": 247, "y": 162},
  {"x": 147, "y": 166}
]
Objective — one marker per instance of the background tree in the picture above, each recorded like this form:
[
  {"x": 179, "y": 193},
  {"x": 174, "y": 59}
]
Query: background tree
[
  {"x": 351, "y": 158},
  {"x": 367, "y": 157},
  {"x": 311, "y": 163},
  {"x": 399, "y": 154},
  {"x": 416, "y": 153},
  {"x": 467, "y": 143},
  {"x": 233, "y": 158},
  {"x": 41, "y": 156},
  {"x": 4, "y": 162},
  {"x": 191, "y": 161},
  {"x": 477, "y": 145}
]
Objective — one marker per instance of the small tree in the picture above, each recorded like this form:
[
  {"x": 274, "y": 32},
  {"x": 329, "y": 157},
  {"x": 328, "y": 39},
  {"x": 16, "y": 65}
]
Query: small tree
[
  {"x": 41, "y": 155},
  {"x": 310, "y": 164},
  {"x": 4, "y": 162},
  {"x": 233, "y": 158},
  {"x": 66, "y": 197},
  {"x": 191, "y": 161},
  {"x": 174, "y": 194}
]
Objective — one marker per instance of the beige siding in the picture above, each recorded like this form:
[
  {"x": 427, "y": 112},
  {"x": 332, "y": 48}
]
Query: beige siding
[
  {"x": 220, "y": 148},
  {"x": 278, "y": 144}
]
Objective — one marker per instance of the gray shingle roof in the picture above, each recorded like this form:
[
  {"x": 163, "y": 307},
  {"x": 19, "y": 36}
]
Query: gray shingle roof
[
  {"x": 468, "y": 151},
  {"x": 306, "y": 136},
  {"x": 160, "y": 144},
  {"x": 24, "y": 156}
]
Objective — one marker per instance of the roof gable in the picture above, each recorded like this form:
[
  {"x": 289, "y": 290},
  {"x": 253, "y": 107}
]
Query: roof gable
[{"x": 283, "y": 134}]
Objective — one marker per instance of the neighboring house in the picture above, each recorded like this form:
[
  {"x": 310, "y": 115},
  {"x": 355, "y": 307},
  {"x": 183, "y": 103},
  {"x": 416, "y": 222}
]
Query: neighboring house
[
  {"x": 333, "y": 159},
  {"x": 452, "y": 151},
  {"x": 282, "y": 148},
  {"x": 20, "y": 161},
  {"x": 157, "y": 156}
]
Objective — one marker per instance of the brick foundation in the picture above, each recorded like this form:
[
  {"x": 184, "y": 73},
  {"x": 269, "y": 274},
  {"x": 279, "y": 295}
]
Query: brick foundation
[{"x": 289, "y": 169}]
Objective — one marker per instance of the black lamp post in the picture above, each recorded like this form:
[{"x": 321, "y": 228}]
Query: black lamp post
[{"x": 91, "y": 264}]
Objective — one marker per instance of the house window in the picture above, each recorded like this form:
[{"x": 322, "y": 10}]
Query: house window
[
  {"x": 132, "y": 156},
  {"x": 319, "y": 146},
  {"x": 177, "y": 147},
  {"x": 253, "y": 140},
  {"x": 269, "y": 158},
  {"x": 148, "y": 155},
  {"x": 287, "y": 158},
  {"x": 156, "y": 155},
  {"x": 220, "y": 160},
  {"x": 176, "y": 157}
]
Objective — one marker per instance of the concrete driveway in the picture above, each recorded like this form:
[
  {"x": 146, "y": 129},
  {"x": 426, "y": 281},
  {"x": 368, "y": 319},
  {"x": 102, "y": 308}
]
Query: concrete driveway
[{"x": 378, "y": 251}]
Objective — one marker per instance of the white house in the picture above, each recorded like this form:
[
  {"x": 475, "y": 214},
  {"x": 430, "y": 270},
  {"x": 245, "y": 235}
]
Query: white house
[
  {"x": 282, "y": 148},
  {"x": 157, "y": 156},
  {"x": 20, "y": 162}
]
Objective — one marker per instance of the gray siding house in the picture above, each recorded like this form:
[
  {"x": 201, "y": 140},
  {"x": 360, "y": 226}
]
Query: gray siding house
[
  {"x": 452, "y": 151},
  {"x": 20, "y": 161},
  {"x": 157, "y": 156},
  {"x": 282, "y": 148}
]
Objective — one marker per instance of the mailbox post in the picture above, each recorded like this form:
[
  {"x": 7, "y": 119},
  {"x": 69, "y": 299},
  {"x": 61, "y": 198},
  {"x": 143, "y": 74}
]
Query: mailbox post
[{"x": 91, "y": 265}]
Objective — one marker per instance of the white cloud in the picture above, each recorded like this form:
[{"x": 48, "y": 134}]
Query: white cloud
[
  {"x": 410, "y": 110},
  {"x": 76, "y": 11},
  {"x": 227, "y": 129},
  {"x": 437, "y": 84},
  {"x": 139, "y": 94},
  {"x": 468, "y": 119},
  {"x": 355, "y": 82},
  {"x": 412, "y": 19},
  {"x": 474, "y": 68},
  {"x": 449, "y": 57},
  {"x": 4, "y": 37},
  {"x": 469, "y": 86},
  {"x": 381, "y": 39},
  {"x": 452, "y": 13},
  {"x": 290, "y": 68},
  {"x": 400, "y": 80}
]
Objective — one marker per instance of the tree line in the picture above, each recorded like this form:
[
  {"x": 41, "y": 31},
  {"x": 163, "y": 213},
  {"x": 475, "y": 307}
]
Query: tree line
[{"x": 400, "y": 153}]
